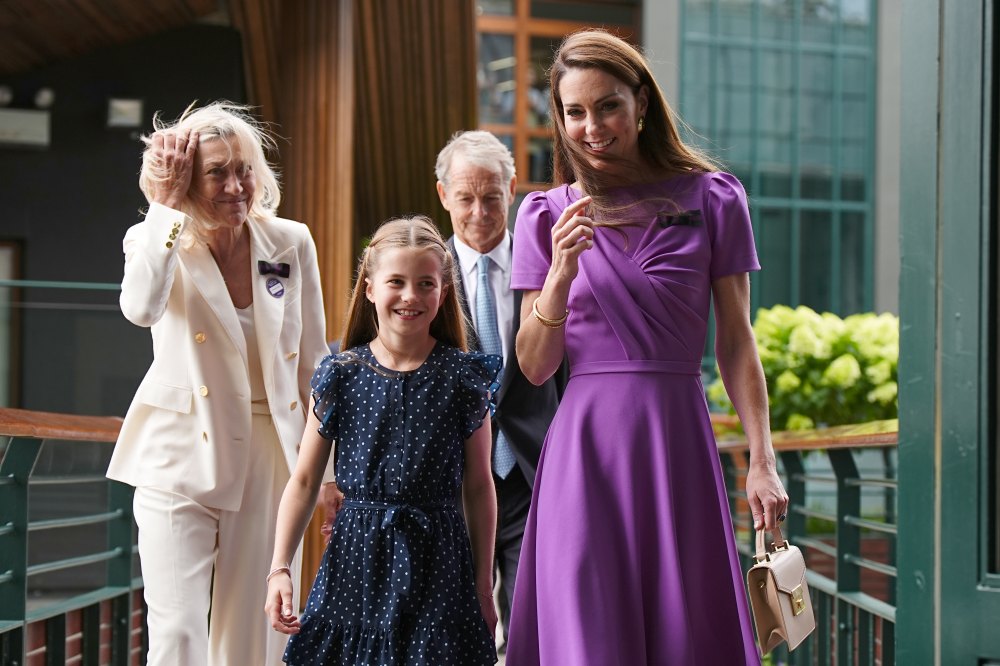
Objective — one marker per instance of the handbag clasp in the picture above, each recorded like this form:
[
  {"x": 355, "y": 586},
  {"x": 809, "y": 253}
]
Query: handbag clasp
[{"x": 798, "y": 603}]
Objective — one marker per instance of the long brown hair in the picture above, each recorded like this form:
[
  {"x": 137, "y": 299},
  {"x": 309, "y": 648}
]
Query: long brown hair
[
  {"x": 419, "y": 233},
  {"x": 660, "y": 144}
]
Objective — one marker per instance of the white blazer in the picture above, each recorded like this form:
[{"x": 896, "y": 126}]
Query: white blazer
[{"x": 188, "y": 428}]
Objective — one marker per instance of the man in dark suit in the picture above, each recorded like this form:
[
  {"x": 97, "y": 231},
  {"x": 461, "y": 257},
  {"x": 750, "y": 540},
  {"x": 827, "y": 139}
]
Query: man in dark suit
[{"x": 476, "y": 183}]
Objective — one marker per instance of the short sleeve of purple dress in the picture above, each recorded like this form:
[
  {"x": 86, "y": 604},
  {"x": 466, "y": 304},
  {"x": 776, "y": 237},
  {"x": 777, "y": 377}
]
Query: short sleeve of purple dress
[{"x": 629, "y": 548}]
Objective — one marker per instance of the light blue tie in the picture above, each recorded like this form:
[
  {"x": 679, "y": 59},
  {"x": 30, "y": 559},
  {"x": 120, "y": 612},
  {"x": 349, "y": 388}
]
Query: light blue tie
[{"x": 489, "y": 342}]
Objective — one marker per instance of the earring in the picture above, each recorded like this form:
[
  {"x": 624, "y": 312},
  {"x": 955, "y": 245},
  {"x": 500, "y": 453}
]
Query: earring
[{"x": 642, "y": 122}]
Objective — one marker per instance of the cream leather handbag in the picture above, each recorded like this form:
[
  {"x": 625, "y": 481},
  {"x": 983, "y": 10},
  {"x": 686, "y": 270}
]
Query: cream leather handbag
[{"x": 779, "y": 597}]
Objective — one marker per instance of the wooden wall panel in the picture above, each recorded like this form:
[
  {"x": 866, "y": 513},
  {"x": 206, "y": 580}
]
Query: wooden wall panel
[{"x": 416, "y": 86}]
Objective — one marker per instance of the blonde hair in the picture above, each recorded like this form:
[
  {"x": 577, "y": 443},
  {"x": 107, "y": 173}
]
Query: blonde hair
[
  {"x": 419, "y": 233},
  {"x": 660, "y": 144},
  {"x": 232, "y": 124}
]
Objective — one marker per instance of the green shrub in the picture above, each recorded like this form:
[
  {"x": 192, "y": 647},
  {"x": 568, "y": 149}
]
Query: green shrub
[{"x": 822, "y": 370}]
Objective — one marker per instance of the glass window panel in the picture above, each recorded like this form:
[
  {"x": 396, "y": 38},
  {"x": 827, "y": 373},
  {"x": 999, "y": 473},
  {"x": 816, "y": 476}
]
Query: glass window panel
[
  {"x": 734, "y": 104},
  {"x": 540, "y": 160},
  {"x": 543, "y": 51},
  {"x": 777, "y": 19},
  {"x": 495, "y": 77},
  {"x": 736, "y": 18},
  {"x": 854, "y": 119},
  {"x": 734, "y": 67},
  {"x": 854, "y": 73},
  {"x": 855, "y": 17},
  {"x": 697, "y": 16},
  {"x": 852, "y": 256},
  {"x": 697, "y": 84},
  {"x": 775, "y": 251},
  {"x": 819, "y": 17},
  {"x": 775, "y": 181},
  {"x": 853, "y": 186},
  {"x": 815, "y": 260},
  {"x": 816, "y": 183},
  {"x": 620, "y": 13},
  {"x": 495, "y": 7}
]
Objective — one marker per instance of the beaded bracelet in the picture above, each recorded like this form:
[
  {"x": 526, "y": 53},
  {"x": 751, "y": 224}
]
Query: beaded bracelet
[
  {"x": 545, "y": 321},
  {"x": 274, "y": 572}
]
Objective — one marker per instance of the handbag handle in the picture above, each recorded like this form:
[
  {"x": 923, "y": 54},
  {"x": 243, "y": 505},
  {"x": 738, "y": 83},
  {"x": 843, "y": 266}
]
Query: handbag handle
[{"x": 764, "y": 552}]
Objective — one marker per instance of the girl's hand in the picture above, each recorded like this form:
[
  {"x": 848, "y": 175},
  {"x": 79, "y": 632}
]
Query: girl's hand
[
  {"x": 172, "y": 155},
  {"x": 767, "y": 496},
  {"x": 279, "y": 604},
  {"x": 572, "y": 234},
  {"x": 489, "y": 612}
]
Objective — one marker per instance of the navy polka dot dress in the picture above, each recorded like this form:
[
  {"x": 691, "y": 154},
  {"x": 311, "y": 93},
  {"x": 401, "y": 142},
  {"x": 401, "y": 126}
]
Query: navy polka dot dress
[{"x": 396, "y": 584}]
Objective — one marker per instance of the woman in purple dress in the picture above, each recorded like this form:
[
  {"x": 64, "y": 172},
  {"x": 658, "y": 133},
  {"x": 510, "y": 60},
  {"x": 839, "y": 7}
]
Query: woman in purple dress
[{"x": 629, "y": 556}]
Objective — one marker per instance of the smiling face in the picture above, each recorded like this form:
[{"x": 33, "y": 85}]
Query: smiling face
[
  {"x": 407, "y": 290},
  {"x": 223, "y": 183},
  {"x": 477, "y": 200},
  {"x": 600, "y": 114}
]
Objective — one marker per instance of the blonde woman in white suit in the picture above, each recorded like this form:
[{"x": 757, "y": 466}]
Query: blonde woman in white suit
[{"x": 232, "y": 295}]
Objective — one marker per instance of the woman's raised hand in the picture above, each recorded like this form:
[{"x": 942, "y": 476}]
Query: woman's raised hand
[
  {"x": 572, "y": 234},
  {"x": 172, "y": 154}
]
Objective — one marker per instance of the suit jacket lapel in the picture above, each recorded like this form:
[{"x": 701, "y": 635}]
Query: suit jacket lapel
[
  {"x": 269, "y": 308},
  {"x": 515, "y": 324},
  {"x": 208, "y": 281}
]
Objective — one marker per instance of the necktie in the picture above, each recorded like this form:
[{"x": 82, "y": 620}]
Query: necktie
[{"x": 489, "y": 342}]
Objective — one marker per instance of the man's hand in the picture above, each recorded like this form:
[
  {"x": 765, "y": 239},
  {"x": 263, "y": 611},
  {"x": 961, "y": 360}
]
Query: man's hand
[{"x": 330, "y": 499}]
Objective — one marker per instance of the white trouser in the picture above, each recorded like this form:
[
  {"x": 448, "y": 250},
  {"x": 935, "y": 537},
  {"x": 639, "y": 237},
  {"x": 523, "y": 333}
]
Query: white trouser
[{"x": 204, "y": 568}]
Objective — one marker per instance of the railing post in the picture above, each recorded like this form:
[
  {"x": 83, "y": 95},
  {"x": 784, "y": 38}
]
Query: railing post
[
  {"x": 848, "y": 543},
  {"x": 120, "y": 532},
  {"x": 15, "y": 470}
]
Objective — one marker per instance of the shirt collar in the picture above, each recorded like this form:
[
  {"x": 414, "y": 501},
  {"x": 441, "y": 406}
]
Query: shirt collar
[{"x": 500, "y": 255}]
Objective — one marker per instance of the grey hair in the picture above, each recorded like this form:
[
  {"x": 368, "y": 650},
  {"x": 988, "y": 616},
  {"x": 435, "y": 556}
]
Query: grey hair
[
  {"x": 230, "y": 123},
  {"x": 478, "y": 148}
]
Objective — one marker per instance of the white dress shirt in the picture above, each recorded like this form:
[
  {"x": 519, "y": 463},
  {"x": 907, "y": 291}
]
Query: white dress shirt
[{"x": 499, "y": 275}]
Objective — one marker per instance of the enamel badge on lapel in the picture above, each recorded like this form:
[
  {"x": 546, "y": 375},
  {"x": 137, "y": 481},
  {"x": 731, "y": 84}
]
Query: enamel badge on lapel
[{"x": 274, "y": 285}]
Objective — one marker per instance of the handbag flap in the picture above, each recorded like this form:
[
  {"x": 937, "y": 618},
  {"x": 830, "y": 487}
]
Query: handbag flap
[{"x": 788, "y": 568}]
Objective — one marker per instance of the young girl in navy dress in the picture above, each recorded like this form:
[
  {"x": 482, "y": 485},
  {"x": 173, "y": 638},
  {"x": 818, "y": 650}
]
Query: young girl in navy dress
[{"x": 400, "y": 582}]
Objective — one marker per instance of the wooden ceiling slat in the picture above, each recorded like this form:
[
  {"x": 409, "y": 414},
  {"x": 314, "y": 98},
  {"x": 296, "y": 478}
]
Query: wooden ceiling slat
[{"x": 37, "y": 32}]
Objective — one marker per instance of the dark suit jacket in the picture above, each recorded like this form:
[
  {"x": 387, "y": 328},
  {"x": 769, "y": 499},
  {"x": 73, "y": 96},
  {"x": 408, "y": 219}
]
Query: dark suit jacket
[{"x": 524, "y": 411}]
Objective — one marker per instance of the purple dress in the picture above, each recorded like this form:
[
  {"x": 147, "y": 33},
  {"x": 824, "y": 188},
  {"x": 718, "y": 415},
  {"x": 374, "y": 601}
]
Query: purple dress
[{"x": 629, "y": 556}]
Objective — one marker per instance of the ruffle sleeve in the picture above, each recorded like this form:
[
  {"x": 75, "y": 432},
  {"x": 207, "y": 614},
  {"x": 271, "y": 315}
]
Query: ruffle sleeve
[
  {"x": 729, "y": 228},
  {"x": 325, "y": 389},
  {"x": 532, "y": 243},
  {"x": 478, "y": 385}
]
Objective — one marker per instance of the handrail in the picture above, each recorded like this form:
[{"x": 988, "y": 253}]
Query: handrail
[
  {"x": 874, "y": 434},
  {"x": 49, "y": 425}
]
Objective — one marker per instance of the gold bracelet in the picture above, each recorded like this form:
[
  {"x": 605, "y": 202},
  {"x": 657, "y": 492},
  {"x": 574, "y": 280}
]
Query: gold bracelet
[
  {"x": 274, "y": 572},
  {"x": 545, "y": 321}
]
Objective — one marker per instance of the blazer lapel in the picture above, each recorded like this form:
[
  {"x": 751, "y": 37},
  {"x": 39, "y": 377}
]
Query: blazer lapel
[
  {"x": 208, "y": 280},
  {"x": 269, "y": 299},
  {"x": 515, "y": 324}
]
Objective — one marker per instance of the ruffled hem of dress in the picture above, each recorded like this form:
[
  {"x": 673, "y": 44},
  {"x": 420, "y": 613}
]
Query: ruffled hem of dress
[{"x": 336, "y": 643}]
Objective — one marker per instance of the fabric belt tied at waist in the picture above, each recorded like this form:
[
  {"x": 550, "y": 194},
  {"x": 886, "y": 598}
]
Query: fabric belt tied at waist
[
  {"x": 397, "y": 516},
  {"x": 654, "y": 367}
]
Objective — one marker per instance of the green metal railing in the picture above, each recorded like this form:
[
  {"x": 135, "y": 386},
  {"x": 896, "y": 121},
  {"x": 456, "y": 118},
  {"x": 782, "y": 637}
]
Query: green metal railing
[
  {"x": 852, "y": 569},
  {"x": 100, "y": 625}
]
